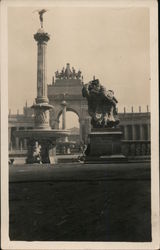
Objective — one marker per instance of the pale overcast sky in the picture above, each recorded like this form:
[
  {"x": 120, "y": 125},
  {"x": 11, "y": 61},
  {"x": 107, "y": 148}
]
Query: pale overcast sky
[{"x": 110, "y": 43}]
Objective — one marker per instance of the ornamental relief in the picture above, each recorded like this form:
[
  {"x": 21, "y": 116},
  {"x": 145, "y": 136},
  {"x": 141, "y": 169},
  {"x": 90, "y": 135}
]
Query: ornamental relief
[{"x": 42, "y": 116}]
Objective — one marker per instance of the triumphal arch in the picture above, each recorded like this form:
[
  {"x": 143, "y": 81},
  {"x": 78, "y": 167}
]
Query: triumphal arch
[{"x": 67, "y": 86}]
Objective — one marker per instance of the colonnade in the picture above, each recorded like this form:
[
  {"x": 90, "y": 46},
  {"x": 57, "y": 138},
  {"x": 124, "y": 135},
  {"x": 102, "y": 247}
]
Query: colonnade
[
  {"x": 15, "y": 143},
  {"x": 136, "y": 132},
  {"x": 130, "y": 132}
]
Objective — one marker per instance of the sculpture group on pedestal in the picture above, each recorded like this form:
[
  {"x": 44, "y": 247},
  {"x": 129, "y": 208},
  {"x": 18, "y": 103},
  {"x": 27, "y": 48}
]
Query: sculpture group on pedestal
[
  {"x": 101, "y": 105},
  {"x": 104, "y": 143}
]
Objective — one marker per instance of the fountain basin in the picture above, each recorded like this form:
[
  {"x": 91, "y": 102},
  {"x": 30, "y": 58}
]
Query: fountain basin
[
  {"x": 52, "y": 134},
  {"x": 41, "y": 143}
]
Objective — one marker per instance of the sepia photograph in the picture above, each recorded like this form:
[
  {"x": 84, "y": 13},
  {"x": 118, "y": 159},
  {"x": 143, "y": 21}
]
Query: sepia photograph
[{"x": 80, "y": 125}]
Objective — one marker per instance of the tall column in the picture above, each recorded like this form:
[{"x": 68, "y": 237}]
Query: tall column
[
  {"x": 21, "y": 145},
  {"x": 25, "y": 140},
  {"x": 41, "y": 108},
  {"x": 148, "y": 132},
  {"x": 17, "y": 140},
  {"x": 125, "y": 133},
  {"x": 133, "y": 132},
  {"x": 25, "y": 143},
  {"x": 141, "y": 132},
  {"x": 64, "y": 106},
  {"x": 9, "y": 138},
  {"x": 42, "y": 38}
]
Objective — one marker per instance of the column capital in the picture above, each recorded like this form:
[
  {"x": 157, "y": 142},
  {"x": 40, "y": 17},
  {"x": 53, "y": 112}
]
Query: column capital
[
  {"x": 41, "y": 36},
  {"x": 63, "y": 103}
]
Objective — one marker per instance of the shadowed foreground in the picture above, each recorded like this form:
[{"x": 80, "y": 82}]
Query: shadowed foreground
[{"x": 76, "y": 202}]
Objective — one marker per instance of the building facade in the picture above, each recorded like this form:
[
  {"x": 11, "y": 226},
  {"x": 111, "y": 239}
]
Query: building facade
[{"x": 67, "y": 86}]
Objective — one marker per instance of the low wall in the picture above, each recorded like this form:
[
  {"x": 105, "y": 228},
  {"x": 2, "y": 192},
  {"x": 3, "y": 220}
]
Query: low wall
[{"x": 136, "y": 150}]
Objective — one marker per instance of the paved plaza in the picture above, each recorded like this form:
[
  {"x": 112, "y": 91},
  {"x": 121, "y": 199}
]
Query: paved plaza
[{"x": 80, "y": 202}]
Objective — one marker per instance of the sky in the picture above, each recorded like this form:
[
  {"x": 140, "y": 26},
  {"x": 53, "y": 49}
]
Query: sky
[{"x": 110, "y": 43}]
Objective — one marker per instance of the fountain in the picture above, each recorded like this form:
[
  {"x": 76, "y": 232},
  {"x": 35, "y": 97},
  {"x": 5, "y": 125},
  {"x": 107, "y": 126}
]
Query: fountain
[{"x": 41, "y": 141}]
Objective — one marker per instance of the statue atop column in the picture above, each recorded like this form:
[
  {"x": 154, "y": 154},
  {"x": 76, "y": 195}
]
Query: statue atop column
[
  {"x": 41, "y": 36},
  {"x": 41, "y": 13},
  {"x": 101, "y": 105}
]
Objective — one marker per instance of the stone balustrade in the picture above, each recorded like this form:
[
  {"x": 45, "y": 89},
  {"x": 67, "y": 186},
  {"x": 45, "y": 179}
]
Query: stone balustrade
[{"x": 133, "y": 148}]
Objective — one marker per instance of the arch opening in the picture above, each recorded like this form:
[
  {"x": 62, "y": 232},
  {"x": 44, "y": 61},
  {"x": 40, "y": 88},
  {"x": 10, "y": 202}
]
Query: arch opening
[
  {"x": 72, "y": 120},
  {"x": 70, "y": 144}
]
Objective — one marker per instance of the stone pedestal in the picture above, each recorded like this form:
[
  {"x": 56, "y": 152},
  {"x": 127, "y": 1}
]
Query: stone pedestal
[{"x": 105, "y": 146}]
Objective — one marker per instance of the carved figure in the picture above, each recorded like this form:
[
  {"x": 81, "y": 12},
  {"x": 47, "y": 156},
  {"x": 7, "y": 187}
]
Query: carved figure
[
  {"x": 41, "y": 12},
  {"x": 37, "y": 152},
  {"x": 78, "y": 74},
  {"x": 101, "y": 105},
  {"x": 68, "y": 73},
  {"x": 57, "y": 74},
  {"x": 73, "y": 73},
  {"x": 62, "y": 72}
]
